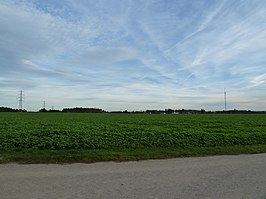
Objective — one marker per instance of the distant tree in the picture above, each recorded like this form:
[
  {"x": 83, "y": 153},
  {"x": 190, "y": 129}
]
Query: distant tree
[
  {"x": 83, "y": 110},
  {"x": 7, "y": 109}
]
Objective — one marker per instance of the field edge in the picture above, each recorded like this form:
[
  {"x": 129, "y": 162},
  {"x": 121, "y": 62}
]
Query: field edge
[{"x": 27, "y": 156}]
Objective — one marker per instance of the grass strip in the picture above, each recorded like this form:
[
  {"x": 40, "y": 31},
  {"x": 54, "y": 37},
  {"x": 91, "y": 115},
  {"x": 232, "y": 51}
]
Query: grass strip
[{"x": 29, "y": 156}]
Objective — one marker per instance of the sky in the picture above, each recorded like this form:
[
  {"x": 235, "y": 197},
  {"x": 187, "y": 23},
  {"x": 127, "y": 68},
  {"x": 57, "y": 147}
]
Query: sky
[{"x": 133, "y": 54}]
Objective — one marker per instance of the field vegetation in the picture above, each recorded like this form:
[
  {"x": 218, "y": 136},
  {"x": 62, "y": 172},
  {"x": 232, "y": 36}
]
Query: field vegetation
[{"x": 74, "y": 137}]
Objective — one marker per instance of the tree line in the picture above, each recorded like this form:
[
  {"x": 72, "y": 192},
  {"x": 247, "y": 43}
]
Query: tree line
[{"x": 165, "y": 111}]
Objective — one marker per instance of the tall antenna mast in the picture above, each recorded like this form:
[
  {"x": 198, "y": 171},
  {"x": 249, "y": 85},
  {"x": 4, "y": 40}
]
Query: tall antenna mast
[
  {"x": 20, "y": 99},
  {"x": 43, "y": 104},
  {"x": 224, "y": 99}
]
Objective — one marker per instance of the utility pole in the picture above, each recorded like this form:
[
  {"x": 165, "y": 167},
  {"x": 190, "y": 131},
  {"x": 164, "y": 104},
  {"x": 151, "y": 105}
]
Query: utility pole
[
  {"x": 43, "y": 104},
  {"x": 224, "y": 99},
  {"x": 20, "y": 99}
]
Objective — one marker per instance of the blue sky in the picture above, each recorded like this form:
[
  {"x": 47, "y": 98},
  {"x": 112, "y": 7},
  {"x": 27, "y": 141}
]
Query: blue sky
[{"x": 133, "y": 54}]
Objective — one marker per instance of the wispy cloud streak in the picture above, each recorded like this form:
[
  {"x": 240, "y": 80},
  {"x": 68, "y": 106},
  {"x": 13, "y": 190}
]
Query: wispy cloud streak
[{"x": 134, "y": 54}]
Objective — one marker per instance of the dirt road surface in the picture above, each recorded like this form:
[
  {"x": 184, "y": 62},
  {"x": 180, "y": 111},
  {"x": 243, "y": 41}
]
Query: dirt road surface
[{"x": 242, "y": 176}]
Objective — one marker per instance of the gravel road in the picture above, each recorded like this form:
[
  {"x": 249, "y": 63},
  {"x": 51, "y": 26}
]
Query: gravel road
[{"x": 242, "y": 176}]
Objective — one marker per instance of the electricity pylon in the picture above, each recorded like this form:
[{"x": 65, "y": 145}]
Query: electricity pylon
[
  {"x": 224, "y": 99},
  {"x": 21, "y": 99}
]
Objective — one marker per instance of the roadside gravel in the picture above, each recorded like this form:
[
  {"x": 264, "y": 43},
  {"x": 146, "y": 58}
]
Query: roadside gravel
[{"x": 242, "y": 176}]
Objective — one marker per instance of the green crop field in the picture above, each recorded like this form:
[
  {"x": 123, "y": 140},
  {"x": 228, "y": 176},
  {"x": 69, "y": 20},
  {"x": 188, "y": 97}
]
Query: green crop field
[{"x": 67, "y": 137}]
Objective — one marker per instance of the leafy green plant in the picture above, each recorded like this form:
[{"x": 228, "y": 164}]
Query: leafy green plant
[{"x": 62, "y": 131}]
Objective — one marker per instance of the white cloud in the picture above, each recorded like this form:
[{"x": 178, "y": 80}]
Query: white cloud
[
  {"x": 134, "y": 53},
  {"x": 258, "y": 80},
  {"x": 101, "y": 55}
]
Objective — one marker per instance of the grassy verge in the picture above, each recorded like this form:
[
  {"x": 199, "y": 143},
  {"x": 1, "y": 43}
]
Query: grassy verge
[{"x": 97, "y": 155}]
